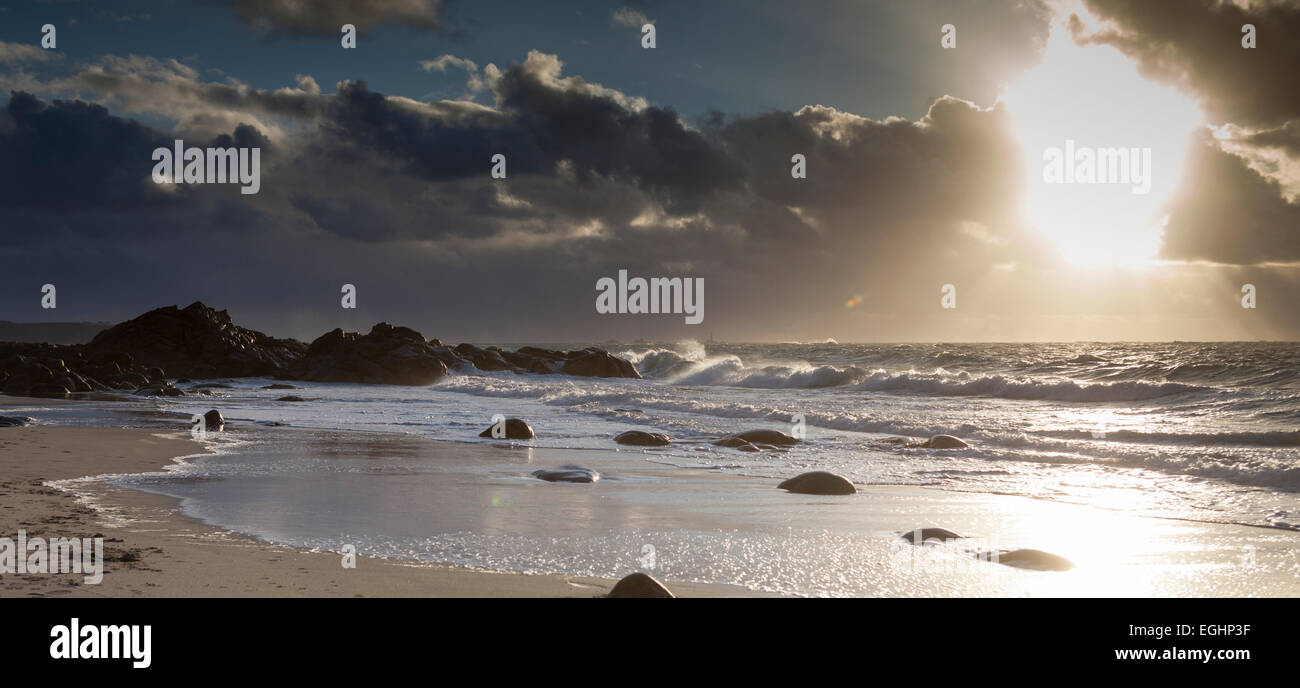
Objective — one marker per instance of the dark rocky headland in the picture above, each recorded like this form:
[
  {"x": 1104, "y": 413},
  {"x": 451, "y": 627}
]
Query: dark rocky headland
[{"x": 141, "y": 354}]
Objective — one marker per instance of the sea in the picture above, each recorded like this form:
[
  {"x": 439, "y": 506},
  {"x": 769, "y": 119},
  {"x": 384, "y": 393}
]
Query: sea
[{"x": 1184, "y": 431}]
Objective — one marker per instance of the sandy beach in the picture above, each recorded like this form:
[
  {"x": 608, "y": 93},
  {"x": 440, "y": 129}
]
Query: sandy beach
[{"x": 153, "y": 550}]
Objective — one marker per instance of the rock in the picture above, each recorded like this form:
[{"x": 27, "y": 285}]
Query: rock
[
  {"x": 1032, "y": 559},
  {"x": 640, "y": 585},
  {"x": 194, "y": 342},
  {"x": 159, "y": 389},
  {"x": 15, "y": 421},
  {"x": 943, "y": 442},
  {"x": 772, "y": 437},
  {"x": 291, "y": 398},
  {"x": 568, "y": 473},
  {"x": 515, "y": 429},
  {"x": 593, "y": 362},
  {"x": 920, "y": 535},
  {"x": 747, "y": 447},
  {"x": 386, "y": 355},
  {"x": 213, "y": 420},
  {"x": 642, "y": 439},
  {"x": 483, "y": 359},
  {"x": 819, "y": 483},
  {"x": 49, "y": 390},
  {"x": 279, "y": 386}
]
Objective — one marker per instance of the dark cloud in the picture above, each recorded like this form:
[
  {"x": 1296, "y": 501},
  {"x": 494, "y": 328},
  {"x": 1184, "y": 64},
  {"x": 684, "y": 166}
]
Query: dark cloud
[
  {"x": 1196, "y": 44},
  {"x": 1228, "y": 213},
  {"x": 326, "y": 17},
  {"x": 73, "y": 155}
]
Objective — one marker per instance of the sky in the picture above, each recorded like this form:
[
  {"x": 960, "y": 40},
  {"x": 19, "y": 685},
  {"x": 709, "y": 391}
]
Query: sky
[{"x": 927, "y": 210}]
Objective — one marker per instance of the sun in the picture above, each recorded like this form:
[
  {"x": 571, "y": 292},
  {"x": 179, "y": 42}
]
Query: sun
[{"x": 1086, "y": 103}]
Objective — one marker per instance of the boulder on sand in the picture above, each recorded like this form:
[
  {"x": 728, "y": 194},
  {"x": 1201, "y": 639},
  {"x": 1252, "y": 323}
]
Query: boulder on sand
[
  {"x": 818, "y": 483},
  {"x": 515, "y": 429},
  {"x": 568, "y": 473},
  {"x": 640, "y": 585},
  {"x": 642, "y": 439}
]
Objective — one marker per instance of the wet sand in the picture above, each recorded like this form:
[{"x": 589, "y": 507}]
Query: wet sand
[{"x": 153, "y": 550}]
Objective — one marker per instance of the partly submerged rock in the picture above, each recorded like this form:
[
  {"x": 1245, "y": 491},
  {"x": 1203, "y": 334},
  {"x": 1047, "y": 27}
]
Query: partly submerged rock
[
  {"x": 920, "y": 535},
  {"x": 943, "y": 442},
  {"x": 15, "y": 421},
  {"x": 160, "y": 389},
  {"x": 291, "y": 397},
  {"x": 279, "y": 386},
  {"x": 568, "y": 473},
  {"x": 595, "y": 362},
  {"x": 819, "y": 483},
  {"x": 213, "y": 420},
  {"x": 640, "y": 585},
  {"x": 773, "y": 437},
  {"x": 1032, "y": 559},
  {"x": 642, "y": 439},
  {"x": 514, "y": 429}
]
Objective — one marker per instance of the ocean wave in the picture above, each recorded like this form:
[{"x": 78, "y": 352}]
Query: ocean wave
[
  {"x": 730, "y": 370},
  {"x": 1279, "y": 438}
]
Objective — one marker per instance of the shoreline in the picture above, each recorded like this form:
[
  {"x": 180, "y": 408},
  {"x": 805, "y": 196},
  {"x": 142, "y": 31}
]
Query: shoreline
[
  {"x": 152, "y": 549},
  {"x": 158, "y": 551}
]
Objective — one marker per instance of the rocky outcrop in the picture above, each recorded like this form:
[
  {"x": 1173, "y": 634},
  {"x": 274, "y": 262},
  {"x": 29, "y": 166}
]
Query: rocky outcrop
[
  {"x": 818, "y": 483},
  {"x": 50, "y": 370},
  {"x": 387, "y": 355},
  {"x": 204, "y": 343},
  {"x": 589, "y": 362},
  {"x": 638, "y": 438},
  {"x": 483, "y": 359},
  {"x": 640, "y": 585},
  {"x": 514, "y": 429},
  {"x": 196, "y": 342},
  {"x": 594, "y": 362}
]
